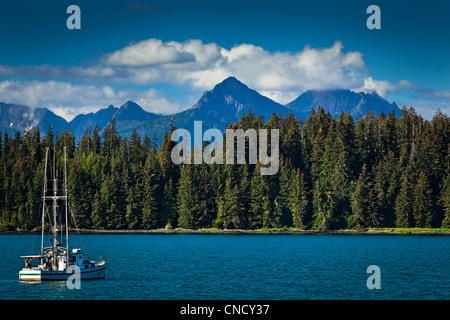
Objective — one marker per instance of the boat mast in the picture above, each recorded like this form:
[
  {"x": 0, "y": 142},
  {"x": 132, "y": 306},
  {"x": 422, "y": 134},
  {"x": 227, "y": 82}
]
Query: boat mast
[
  {"x": 55, "y": 213},
  {"x": 65, "y": 194},
  {"x": 43, "y": 203}
]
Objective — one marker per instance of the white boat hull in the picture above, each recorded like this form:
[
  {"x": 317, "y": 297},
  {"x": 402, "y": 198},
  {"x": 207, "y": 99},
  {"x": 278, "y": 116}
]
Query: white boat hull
[{"x": 27, "y": 274}]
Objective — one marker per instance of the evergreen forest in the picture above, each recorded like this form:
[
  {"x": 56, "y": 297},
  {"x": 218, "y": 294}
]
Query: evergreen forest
[{"x": 335, "y": 173}]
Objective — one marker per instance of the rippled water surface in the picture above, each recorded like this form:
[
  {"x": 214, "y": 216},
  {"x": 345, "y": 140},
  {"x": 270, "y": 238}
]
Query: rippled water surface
[{"x": 224, "y": 266}]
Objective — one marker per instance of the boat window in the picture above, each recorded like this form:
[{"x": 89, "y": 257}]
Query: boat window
[{"x": 72, "y": 258}]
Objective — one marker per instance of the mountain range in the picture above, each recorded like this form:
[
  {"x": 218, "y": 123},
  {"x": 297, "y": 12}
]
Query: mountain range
[
  {"x": 225, "y": 103},
  {"x": 335, "y": 101},
  {"x": 128, "y": 112},
  {"x": 15, "y": 117}
]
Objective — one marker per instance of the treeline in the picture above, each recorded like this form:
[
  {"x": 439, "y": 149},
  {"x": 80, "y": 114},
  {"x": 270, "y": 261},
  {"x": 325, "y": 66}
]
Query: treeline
[{"x": 375, "y": 171}]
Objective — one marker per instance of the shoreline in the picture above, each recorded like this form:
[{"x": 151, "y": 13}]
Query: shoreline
[{"x": 245, "y": 231}]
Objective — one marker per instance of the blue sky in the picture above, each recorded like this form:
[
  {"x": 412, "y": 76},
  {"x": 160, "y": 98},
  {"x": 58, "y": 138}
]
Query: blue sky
[{"x": 163, "y": 54}]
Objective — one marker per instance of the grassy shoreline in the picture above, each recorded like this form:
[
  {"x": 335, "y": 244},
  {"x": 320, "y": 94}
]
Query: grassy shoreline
[{"x": 261, "y": 231}]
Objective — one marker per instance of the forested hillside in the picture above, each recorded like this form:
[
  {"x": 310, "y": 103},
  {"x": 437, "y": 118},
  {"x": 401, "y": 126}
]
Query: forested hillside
[{"x": 376, "y": 171}]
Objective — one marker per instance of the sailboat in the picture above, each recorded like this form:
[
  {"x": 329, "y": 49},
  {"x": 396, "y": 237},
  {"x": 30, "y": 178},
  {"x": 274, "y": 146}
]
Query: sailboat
[{"x": 57, "y": 261}]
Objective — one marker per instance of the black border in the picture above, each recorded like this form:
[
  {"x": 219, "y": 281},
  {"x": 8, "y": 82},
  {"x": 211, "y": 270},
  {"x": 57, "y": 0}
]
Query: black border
[{"x": 278, "y": 309}]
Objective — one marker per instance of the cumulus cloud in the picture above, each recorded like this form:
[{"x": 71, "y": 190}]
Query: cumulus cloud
[
  {"x": 382, "y": 87},
  {"x": 202, "y": 65},
  {"x": 281, "y": 76},
  {"x": 191, "y": 54},
  {"x": 430, "y": 94},
  {"x": 68, "y": 100},
  {"x": 428, "y": 109},
  {"x": 278, "y": 74},
  {"x": 149, "y": 52}
]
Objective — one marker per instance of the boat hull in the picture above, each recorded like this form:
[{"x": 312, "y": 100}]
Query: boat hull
[{"x": 44, "y": 275}]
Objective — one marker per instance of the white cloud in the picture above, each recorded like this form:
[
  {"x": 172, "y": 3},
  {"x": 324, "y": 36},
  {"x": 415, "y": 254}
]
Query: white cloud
[
  {"x": 152, "y": 101},
  {"x": 281, "y": 76},
  {"x": 384, "y": 87},
  {"x": 281, "y": 97},
  {"x": 381, "y": 87},
  {"x": 204, "y": 65},
  {"x": 149, "y": 52},
  {"x": 427, "y": 109},
  {"x": 68, "y": 100}
]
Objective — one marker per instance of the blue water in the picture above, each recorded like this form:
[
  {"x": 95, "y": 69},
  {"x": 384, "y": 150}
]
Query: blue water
[{"x": 226, "y": 267}]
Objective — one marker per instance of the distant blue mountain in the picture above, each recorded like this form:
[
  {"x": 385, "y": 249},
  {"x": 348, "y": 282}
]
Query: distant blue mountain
[
  {"x": 228, "y": 101},
  {"x": 335, "y": 101},
  {"x": 129, "y": 111},
  {"x": 225, "y": 103},
  {"x": 81, "y": 122},
  {"x": 15, "y": 117}
]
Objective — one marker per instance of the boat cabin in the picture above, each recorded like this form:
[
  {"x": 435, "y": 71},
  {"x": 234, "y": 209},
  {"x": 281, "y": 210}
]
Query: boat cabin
[
  {"x": 32, "y": 261},
  {"x": 76, "y": 258}
]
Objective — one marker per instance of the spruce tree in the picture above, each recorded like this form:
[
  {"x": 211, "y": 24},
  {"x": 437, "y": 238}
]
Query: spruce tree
[
  {"x": 291, "y": 149},
  {"x": 363, "y": 201},
  {"x": 152, "y": 194},
  {"x": 80, "y": 193},
  {"x": 259, "y": 198},
  {"x": 96, "y": 141},
  {"x": 135, "y": 189},
  {"x": 286, "y": 183},
  {"x": 207, "y": 205},
  {"x": 422, "y": 204},
  {"x": 345, "y": 128},
  {"x": 324, "y": 202},
  {"x": 111, "y": 138},
  {"x": 445, "y": 200},
  {"x": 403, "y": 205},
  {"x": 113, "y": 196},
  {"x": 136, "y": 153},
  {"x": 230, "y": 214},
  {"x": 386, "y": 187},
  {"x": 84, "y": 144},
  {"x": 298, "y": 201},
  {"x": 366, "y": 135},
  {"x": 98, "y": 213},
  {"x": 49, "y": 137},
  {"x": 187, "y": 198},
  {"x": 170, "y": 179}
]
